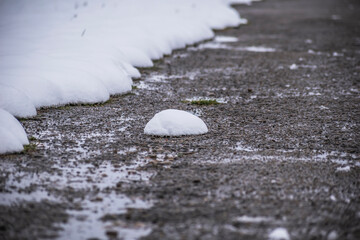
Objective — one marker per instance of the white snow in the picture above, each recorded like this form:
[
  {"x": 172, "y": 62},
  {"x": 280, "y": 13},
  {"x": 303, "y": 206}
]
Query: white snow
[
  {"x": 219, "y": 44},
  {"x": 336, "y": 54},
  {"x": 219, "y": 100},
  {"x": 173, "y": 122},
  {"x": 293, "y": 66},
  {"x": 258, "y": 49},
  {"x": 58, "y": 52},
  {"x": 12, "y": 135},
  {"x": 332, "y": 235},
  {"x": 225, "y": 39},
  {"x": 279, "y": 234},
  {"x": 248, "y": 219},
  {"x": 343, "y": 169},
  {"x": 333, "y": 198}
]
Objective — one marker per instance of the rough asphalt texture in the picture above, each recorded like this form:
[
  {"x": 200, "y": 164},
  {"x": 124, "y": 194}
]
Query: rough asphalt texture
[{"x": 277, "y": 149}]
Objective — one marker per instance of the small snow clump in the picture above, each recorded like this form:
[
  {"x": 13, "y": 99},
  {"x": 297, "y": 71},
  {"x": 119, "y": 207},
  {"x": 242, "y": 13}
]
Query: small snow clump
[
  {"x": 293, "y": 66},
  {"x": 172, "y": 122},
  {"x": 279, "y": 234}
]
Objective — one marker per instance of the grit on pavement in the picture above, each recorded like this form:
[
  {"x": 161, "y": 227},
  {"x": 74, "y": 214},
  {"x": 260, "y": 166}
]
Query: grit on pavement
[{"x": 282, "y": 148}]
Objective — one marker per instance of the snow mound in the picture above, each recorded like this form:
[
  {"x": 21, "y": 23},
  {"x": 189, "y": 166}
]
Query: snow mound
[
  {"x": 279, "y": 234},
  {"x": 16, "y": 102},
  {"x": 173, "y": 122},
  {"x": 12, "y": 135}
]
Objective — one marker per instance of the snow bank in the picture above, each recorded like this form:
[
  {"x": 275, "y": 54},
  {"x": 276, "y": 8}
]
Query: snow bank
[
  {"x": 58, "y": 52},
  {"x": 12, "y": 135},
  {"x": 173, "y": 122}
]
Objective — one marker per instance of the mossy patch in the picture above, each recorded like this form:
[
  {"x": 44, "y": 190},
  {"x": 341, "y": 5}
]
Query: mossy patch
[
  {"x": 98, "y": 104},
  {"x": 203, "y": 102},
  {"x": 32, "y": 138},
  {"x": 29, "y": 148}
]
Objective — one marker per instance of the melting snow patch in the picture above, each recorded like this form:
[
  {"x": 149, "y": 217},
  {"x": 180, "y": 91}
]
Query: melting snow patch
[
  {"x": 343, "y": 169},
  {"x": 143, "y": 85},
  {"x": 37, "y": 196},
  {"x": 219, "y": 44},
  {"x": 257, "y": 49},
  {"x": 323, "y": 108},
  {"x": 173, "y": 122},
  {"x": 219, "y": 100},
  {"x": 241, "y": 147},
  {"x": 210, "y": 45},
  {"x": 279, "y": 234},
  {"x": 225, "y": 39},
  {"x": 247, "y": 219},
  {"x": 335, "y": 54}
]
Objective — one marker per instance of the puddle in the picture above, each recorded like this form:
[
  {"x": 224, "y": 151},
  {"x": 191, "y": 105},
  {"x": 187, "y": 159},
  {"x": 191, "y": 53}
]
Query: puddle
[{"x": 87, "y": 223}]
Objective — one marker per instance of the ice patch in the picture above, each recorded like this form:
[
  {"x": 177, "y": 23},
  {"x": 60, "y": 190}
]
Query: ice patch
[
  {"x": 279, "y": 234},
  {"x": 173, "y": 122}
]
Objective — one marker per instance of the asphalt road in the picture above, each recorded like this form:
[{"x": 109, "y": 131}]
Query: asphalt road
[{"x": 282, "y": 148}]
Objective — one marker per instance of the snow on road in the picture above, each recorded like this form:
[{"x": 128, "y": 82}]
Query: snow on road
[{"x": 60, "y": 52}]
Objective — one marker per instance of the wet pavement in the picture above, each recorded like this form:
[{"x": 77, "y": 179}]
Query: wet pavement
[{"x": 282, "y": 148}]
